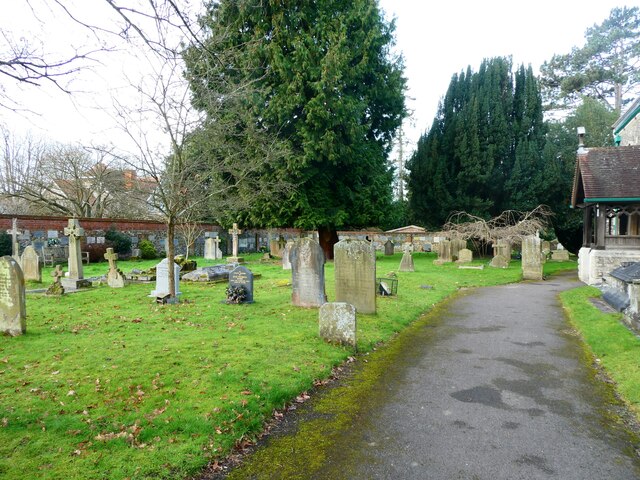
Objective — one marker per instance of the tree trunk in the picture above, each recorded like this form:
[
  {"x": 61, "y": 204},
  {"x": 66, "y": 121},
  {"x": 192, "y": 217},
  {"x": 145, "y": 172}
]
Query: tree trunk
[
  {"x": 170, "y": 261},
  {"x": 328, "y": 237}
]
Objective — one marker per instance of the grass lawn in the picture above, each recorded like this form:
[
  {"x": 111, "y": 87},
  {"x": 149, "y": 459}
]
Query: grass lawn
[
  {"x": 616, "y": 348},
  {"x": 107, "y": 384}
]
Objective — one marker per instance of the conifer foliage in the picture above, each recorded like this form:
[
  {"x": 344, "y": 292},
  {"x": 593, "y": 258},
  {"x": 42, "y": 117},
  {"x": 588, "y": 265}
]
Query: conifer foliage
[{"x": 483, "y": 153}]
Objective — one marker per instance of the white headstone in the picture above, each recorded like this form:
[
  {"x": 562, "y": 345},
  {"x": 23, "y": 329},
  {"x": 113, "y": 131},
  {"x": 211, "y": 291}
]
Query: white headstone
[
  {"x": 162, "y": 279},
  {"x": 338, "y": 323}
]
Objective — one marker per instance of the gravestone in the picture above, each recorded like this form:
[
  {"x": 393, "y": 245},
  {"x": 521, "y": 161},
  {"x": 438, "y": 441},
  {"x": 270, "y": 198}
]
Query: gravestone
[
  {"x": 531, "y": 258},
  {"x": 75, "y": 280},
  {"x": 30, "y": 263},
  {"x": 499, "y": 261},
  {"x": 338, "y": 323},
  {"x": 546, "y": 248},
  {"x": 115, "y": 278},
  {"x": 162, "y": 279},
  {"x": 406, "y": 264},
  {"x": 443, "y": 249},
  {"x": 234, "y": 258},
  {"x": 465, "y": 256},
  {"x": 56, "y": 287},
  {"x": 389, "y": 248},
  {"x": 307, "y": 273},
  {"x": 502, "y": 247},
  {"x": 209, "y": 247},
  {"x": 560, "y": 255},
  {"x": 241, "y": 277},
  {"x": 15, "y": 245},
  {"x": 286, "y": 255},
  {"x": 355, "y": 274},
  {"x": 457, "y": 244},
  {"x": 13, "y": 310}
]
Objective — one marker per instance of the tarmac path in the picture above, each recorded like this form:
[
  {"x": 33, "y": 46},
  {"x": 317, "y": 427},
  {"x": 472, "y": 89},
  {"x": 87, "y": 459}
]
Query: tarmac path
[{"x": 494, "y": 386}]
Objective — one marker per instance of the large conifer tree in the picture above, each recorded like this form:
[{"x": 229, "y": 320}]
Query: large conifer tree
[
  {"x": 483, "y": 153},
  {"x": 330, "y": 86}
]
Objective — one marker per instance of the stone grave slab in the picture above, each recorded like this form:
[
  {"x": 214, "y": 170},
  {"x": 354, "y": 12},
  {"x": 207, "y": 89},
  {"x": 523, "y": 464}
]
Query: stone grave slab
[
  {"x": 465, "y": 256},
  {"x": 241, "y": 277},
  {"x": 531, "y": 258},
  {"x": 30, "y": 263},
  {"x": 307, "y": 273},
  {"x": 355, "y": 274},
  {"x": 162, "y": 279},
  {"x": 338, "y": 323},
  {"x": 13, "y": 310},
  {"x": 389, "y": 248},
  {"x": 499, "y": 261}
]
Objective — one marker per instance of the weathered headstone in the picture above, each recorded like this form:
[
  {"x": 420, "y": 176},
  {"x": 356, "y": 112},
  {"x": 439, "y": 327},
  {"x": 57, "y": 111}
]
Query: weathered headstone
[
  {"x": 546, "y": 248},
  {"x": 15, "y": 245},
  {"x": 56, "y": 287},
  {"x": 209, "y": 246},
  {"x": 286, "y": 255},
  {"x": 502, "y": 247},
  {"x": 457, "y": 244},
  {"x": 406, "y": 264},
  {"x": 30, "y": 263},
  {"x": 75, "y": 279},
  {"x": 276, "y": 247},
  {"x": 560, "y": 255},
  {"x": 389, "y": 248},
  {"x": 499, "y": 261},
  {"x": 307, "y": 273},
  {"x": 338, "y": 323},
  {"x": 13, "y": 310},
  {"x": 235, "y": 232},
  {"x": 464, "y": 256},
  {"x": 240, "y": 278},
  {"x": 115, "y": 278},
  {"x": 443, "y": 249},
  {"x": 355, "y": 274},
  {"x": 531, "y": 258},
  {"x": 162, "y": 279}
]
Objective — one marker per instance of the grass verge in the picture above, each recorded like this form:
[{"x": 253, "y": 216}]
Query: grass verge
[
  {"x": 107, "y": 384},
  {"x": 614, "y": 346}
]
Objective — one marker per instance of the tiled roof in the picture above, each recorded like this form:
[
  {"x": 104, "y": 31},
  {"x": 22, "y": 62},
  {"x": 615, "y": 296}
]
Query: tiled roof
[{"x": 607, "y": 173}]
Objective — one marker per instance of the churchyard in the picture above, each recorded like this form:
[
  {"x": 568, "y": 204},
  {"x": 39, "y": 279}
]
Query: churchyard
[{"x": 107, "y": 383}]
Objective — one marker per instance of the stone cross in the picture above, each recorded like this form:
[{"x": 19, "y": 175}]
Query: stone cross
[
  {"x": 112, "y": 257},
  {"x": 234, "y": 232},
  {"x": 75, "y": 232},
  {"x": 216, "y": 246},
  {"x": 57, "y": 274},
  {"x": 15, "y": 247}
]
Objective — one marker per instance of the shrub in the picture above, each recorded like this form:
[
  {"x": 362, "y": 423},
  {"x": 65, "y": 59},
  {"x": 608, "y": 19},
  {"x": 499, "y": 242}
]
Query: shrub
[
  {"x": 121, "y": 242},
  {"x": 5, "y": 244},
  {"x": 147, "y": 250},
  {"x": 96, "y": 251}
]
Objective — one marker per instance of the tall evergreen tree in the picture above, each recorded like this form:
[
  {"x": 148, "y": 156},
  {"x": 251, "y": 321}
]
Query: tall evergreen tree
[
  {"x": 483, "y": 152},
  {"x": 330, "y": 87}
]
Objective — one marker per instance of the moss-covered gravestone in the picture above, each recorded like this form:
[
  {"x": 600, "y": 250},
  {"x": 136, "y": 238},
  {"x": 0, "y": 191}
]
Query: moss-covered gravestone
[
  {"x": 13, "y": 310},
  {"x": 338, "y": 323},
  {"x": 355, "y": 271},
  {"x": 531, "y": 258},
  {"x": 30, "y": 263}
]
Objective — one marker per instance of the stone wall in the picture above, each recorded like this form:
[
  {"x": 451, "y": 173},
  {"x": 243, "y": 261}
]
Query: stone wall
[{"x": 595, "y": 265}]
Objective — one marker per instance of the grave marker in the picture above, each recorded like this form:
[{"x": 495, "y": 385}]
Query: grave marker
[
  {"x": 389, "y": 248},
  {"x": 307, "y": 273},
  {"x": 30, "y": 263},
  {"x": 241, "y": 277},
  {"x": 115, "y": 279},
  {"x": 355, "y": 274},
  {"x": 15, "y": 246},
  {"x": 443, "y": 249},
  {"x": 338, "y": 323},
  {"x": 286, "y": 255},
  {"x": 13, "y": 310},
  {"x": 465, "y": 256},
  {"x": 235, "y": 232},
  {"x": 75, "y": 279},
  {"x": 162, "y": 279},
  {"x": 531, "y": 258},
  {"x": 406, "y": 264}
]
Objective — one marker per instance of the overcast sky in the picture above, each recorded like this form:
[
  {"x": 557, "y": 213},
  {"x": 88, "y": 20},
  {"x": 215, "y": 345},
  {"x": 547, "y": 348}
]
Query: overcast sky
[{"x": 437, "y": 40}]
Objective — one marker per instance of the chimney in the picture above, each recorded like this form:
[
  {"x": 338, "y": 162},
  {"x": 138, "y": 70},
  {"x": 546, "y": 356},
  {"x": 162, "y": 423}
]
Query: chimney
[
  {"x": 581, "y": 148},
  {"x": 129, "y": 178}
]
